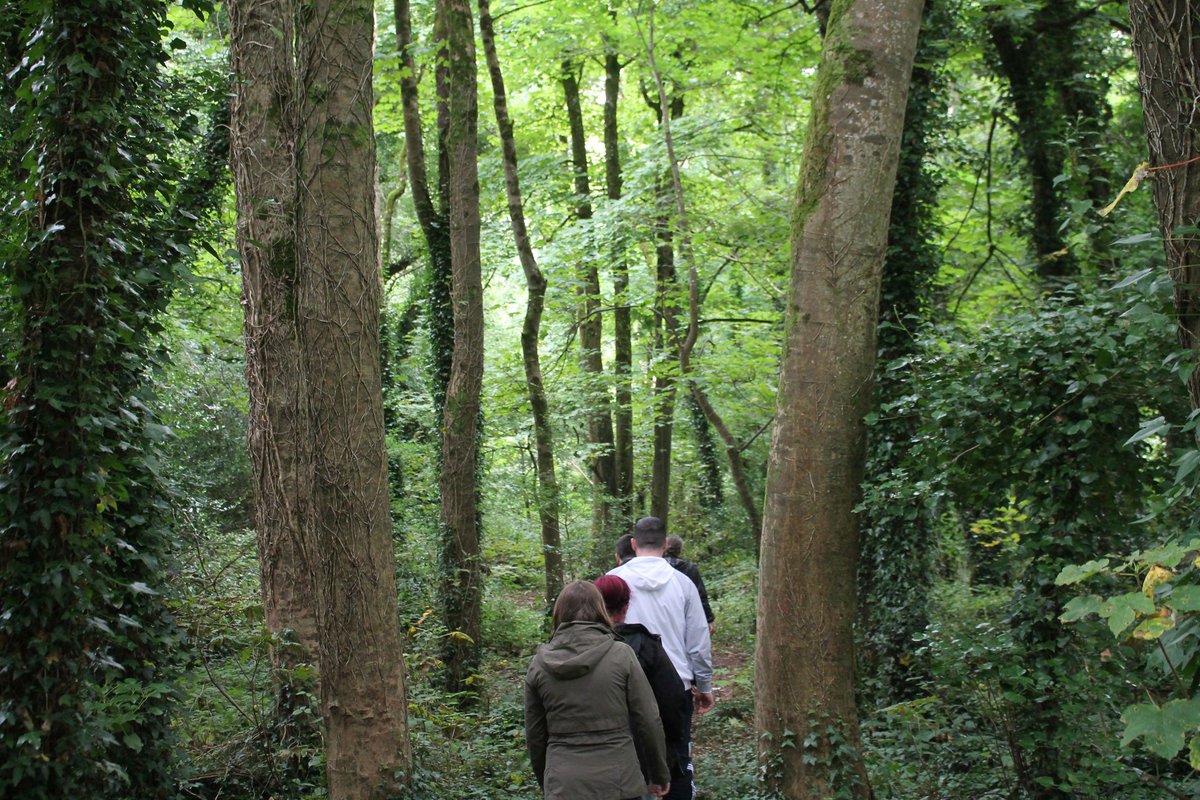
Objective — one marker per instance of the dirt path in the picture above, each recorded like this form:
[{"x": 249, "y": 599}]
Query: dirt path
[{"x": 723, "y": 739}]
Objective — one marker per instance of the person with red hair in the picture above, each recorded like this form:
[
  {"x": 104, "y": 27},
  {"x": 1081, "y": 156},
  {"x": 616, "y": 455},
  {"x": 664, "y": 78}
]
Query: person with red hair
[{"x": 669, "y": 691}]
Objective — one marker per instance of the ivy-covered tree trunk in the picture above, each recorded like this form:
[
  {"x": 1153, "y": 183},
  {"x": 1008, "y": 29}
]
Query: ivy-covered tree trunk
[
  {"x": 454, "y": 311},
  {"x": 665, "y": 365},
  {"x": 710, "y": 481},
  {"x": 1054, "y": 96},
  {"x": 88, "y": 652},
  {"x": 434, "y": 220},
  {"x": 462, "y": 590},
  {"x": 804, "y": 695},
  {"x": 306, "y": 181},
  {"x": 535, "y": 281},
  {"x": 1166, "y": 41},
  {"x": 897, "y": 544}
]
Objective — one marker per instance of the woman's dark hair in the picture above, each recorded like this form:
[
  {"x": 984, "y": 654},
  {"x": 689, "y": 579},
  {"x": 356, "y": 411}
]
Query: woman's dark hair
[
  {"x": 580, "y": 601},
  {"x": 615, "y": 592},
  {"x": 625, "y": 548}
]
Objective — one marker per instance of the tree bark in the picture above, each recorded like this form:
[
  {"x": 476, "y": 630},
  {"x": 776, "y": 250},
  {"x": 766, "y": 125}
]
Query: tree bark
[
  {"x": 1166, "y": 42},
  {"x": 804, "y": 693},
  {"x": 264, "y": 135},
  {"x": 433, "y": 219},
  {"x": 666, "y": 355},
  {"x": 319, "y": 275},
  {"x": 535, "y": 281},
  {"x": 622, "y": 322},
  {"x": 337, "y": 308},
  {"x": 665, "y": 366},
  {"x": 602, "y": 461},
  {"x": 455, "y": 310},
  {"x": 462, "y": 590}
]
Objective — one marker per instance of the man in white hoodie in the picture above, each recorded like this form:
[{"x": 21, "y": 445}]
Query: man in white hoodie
[{"x": 667, "y": 603}]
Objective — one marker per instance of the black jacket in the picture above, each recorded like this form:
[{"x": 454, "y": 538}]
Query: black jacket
[
  {"x": 690, "y": 569},
  {"x": 669, "y": 691}
]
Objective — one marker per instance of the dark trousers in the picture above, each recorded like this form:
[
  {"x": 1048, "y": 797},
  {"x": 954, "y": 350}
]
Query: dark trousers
[{"x": 682, "y": 783}]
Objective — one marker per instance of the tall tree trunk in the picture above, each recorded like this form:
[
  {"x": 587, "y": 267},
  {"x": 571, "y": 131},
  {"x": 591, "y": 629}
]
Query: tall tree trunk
[
  {"x": 1166, "y": 41},
  {"x": 666, "y": 354},
  {"x": 88, "y": 650},
  {"x": 603, "y": 463},
  {"x": 434, "y": 220},
  {"x": 462, "y": 590},
  {"x": 535, "y": 281},
  {"x": 733, "y": 450},
  {"x": 897, "y": 544},
  {"x": 665, "y": 367},
  {"x": 804, "y": 693},
  {"x": 455, "y": 310},
  {"x": 337, "y": 307},
  {"x": 264, "y": 136},
  {"x": 1041, "y": 59},
  {"x": 622, "y": 322},
  {"x": 320, "y": 273}
]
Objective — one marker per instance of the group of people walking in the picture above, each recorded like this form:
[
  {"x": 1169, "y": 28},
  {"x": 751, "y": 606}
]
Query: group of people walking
[{"x": 609, "y": 700}]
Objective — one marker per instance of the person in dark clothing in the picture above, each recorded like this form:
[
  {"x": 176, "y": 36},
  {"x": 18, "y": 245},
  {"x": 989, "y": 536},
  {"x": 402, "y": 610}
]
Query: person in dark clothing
[
  {"x": 674, "y": 557},
  {"x": 669, "y": 691},
  {"x": 585, "y": 698},
  {"x": 624, "y": 550}
]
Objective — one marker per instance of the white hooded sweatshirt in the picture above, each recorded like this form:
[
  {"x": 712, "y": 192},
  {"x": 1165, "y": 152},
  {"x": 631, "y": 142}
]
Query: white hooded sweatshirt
[{"x": 667, "y": 603}]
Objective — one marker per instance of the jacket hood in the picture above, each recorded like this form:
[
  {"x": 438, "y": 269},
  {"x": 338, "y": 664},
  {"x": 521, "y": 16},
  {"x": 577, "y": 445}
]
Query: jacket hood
[
  {"x": 647, "y": 573},
  {"x": 576, "y": 649}
]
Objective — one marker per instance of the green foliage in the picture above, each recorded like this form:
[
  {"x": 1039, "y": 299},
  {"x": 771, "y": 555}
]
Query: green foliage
[
  {"x": 458, "y": 753},
  {"x": 969, "y": 735},
  {"x": 1019, "y": 440},
  {"x": 1152, "y": 601},
  {"x": 246, "y": 727},
  {"x": 1004, "y": 443}
]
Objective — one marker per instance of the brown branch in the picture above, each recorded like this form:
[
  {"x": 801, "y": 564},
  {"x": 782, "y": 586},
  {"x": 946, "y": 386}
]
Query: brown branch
[{"x": 506, "y": 12}]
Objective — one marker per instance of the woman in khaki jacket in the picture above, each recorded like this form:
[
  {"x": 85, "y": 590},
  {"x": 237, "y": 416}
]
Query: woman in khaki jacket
[{"x": 582, "y": 692}]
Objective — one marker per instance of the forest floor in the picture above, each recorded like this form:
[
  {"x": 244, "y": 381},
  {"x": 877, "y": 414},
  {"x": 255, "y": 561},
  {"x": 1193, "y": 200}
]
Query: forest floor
[{"x": 723, "y": 744}]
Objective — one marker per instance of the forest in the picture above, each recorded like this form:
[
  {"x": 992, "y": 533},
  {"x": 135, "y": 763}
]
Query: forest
[{"x": 337, "y": 336}]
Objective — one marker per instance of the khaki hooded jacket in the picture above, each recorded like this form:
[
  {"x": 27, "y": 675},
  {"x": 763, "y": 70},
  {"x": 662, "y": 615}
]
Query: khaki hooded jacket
[{"x": 583, "y": 692}]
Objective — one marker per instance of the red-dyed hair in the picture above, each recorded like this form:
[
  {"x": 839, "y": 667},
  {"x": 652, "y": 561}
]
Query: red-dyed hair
[{"x": 615, "y": 592}]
